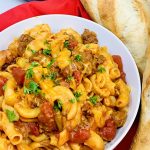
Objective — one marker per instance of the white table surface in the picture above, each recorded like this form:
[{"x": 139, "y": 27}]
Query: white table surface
[{"x": 8, "y": 4}]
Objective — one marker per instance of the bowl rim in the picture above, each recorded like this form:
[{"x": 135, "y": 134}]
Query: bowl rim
[{"x": 128, "y": 127}]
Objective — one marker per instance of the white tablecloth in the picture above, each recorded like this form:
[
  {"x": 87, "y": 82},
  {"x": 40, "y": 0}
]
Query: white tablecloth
[{"x": 8, "y": 4}]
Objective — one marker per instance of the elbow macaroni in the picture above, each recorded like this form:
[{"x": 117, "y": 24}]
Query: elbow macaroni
[{"x": 80, "y": 82}]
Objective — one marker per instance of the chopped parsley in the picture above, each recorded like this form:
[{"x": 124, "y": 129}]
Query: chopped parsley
[
  {"x": 50, "y": 63},
  {"x": 69, "y": 78},
  {"x": 57, "y": 105},
  {"x": 72, "y": 100},
  {"x": 78, "y": 58},
  {"x": 53, "y": 75},
  {"x": 26, "y": 90},
  {"x": 33, "y": 51},
  {"x": 87, "y": 46},
  {"x": 66, "y": 44},
  {"x": 46, "y": 42},
  {"x": 11, "y": 115},
  {"x": 57, "y": 82},
  {"x": 34, "y": 64},
  {"x": 33, "y": 88},
  {"x": 29, "y": 73},
  {"x": 4, "y": 87},
  {"x": 93, "y": 100},
  {"x": 101, "y": 69},
  {"x": 77, "y": 95},
  {"x": 46, "y": 51},
  {"x": 43, "y": 94}
]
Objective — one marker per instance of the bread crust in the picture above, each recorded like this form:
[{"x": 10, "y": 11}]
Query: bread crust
[
  {"x": 130, "y": 21},
  {"x": 142, "y": 137},
  {"x": 91, "y": 9},
  {"x": 107, "y": 13}
]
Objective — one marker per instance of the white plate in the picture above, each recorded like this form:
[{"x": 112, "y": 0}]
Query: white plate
[{"x": 106, "y": 38}]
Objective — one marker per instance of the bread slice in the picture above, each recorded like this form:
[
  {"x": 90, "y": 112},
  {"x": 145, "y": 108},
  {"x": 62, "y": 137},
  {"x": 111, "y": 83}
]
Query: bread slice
[
  {"x": 92, "y": 9},
  {"x": 128, "y": 19},
  {"x": 146, "y": 7},
  {"x": 142, "y": 137}
]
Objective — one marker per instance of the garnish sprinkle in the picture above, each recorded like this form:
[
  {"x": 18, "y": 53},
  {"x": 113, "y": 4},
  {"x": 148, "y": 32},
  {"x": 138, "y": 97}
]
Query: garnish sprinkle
[
  {"x": 33, "y": 88},
  {"x": 11, "y": 115},
  {"x": 50, "y": 63},
  {"x": 72, "y": 100},
  {"x": 78, "y": 58},
  {"x": 101, "y": 69},
  {"x": 93, "y": 99},
  {"x": 46, "y": 52},
  {"x": 57, "y": 105},
  {"x": 77, "y": 95}
]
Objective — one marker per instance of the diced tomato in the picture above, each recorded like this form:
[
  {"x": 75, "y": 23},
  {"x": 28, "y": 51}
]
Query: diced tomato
[
  {"x": 77, "y": 76},
  {"x": 19, "y": 75},
  {"x": 117, "y": 59},
  {"x": 123, "y": 76},
  {"x": 3, "y": 80},
  {"x": 33, "y": 128},
  {"x": 108, "y": 132},
  {"x": 79, "y": 135}
]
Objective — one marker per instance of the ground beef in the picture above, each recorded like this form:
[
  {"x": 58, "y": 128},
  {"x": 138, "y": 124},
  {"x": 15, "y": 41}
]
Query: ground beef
[
  {"x": 72, "y": 44},
  {"x": 24, "y": 40},
  {"x": 27, "y": 128},
  {"x": 46, "y": 117},
  {"x": 89, "y": 37},
  {"x": 66, "y": 71},
  {"x": 87, "y": 56},
  {"x": 119, "y": 118}
]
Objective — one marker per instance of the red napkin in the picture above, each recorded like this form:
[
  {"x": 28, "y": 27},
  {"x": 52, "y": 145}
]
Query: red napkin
[
  {"x": 71, "y": 7},
  {"x": 31, "y": 9}
]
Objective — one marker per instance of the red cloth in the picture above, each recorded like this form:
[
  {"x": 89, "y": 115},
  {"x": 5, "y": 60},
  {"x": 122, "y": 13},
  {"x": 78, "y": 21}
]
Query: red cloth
[
  {"x": 31, "y": 9},
  {"x": 71, "y": 7}
]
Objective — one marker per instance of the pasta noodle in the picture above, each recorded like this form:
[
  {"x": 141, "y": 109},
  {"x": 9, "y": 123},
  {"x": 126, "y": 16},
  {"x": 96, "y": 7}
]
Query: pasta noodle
[
  {"x": 9, "y": 129},
  {"x": 60, "y": 91}
]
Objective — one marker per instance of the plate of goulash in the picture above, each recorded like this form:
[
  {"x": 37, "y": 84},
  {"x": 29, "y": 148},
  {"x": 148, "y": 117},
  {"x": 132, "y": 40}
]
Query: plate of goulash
[{"x": 66, "y": 83}]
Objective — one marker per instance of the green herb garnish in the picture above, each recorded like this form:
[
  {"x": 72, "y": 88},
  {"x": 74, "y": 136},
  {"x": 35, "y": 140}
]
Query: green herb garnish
[
  {"x": 29, "y": 73},
  {"x": 4, "y": 87},
  {"x": 72, "y": 100},
  {"x": 101, "y": 69},
  {"x": 57, "y": 82},
  {"x": 33, "y": 51},
  {"x": 46, "y": 51},
  {"x": 93, "y": 99},
  {"x": 11, "y": 115},
  {"x": 33, "y": 88},
  {"x": 77, "y": 95},
  {"x": 53, "y": 75},
  {"x": 66, "y": 44},
  {"x": 57, "y": 105},
  {"x": 50, "y": 63},
  {"x": 26, "y": 90},
  {"x": 46, "y": 42},
  {"x": 34, "y": 64},
  {"x": 78, "y": 58},
  {"x": 69, "y": 78}
]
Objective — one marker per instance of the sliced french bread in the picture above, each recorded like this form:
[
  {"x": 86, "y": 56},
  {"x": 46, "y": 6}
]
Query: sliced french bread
[
  {"x": 128, "y": 19},
  {"x": 91, "y": 7},
  {"x": 142, "y": 137}
]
